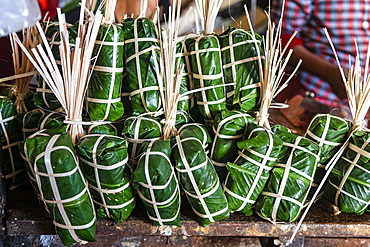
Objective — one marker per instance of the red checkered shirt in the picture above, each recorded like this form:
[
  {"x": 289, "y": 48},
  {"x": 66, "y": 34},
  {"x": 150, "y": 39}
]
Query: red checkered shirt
[{"x": 345, "y": 20}]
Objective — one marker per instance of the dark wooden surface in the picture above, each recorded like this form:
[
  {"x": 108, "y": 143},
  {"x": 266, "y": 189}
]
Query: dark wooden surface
[{"x": 27, "y": 217}]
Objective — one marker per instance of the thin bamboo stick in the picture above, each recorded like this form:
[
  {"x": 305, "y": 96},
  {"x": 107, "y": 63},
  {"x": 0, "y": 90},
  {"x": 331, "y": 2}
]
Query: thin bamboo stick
[
  {"x": 170, "y": 93},
  {"x": 22, "y": 65}
]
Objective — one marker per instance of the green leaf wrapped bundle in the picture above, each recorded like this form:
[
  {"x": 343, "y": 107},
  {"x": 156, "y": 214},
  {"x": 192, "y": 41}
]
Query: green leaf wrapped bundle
[
  {"x": 348, "y": 187},
  {"x": 182, "y": 117},
  {"x": 142, "y": 60},
  {"x": 156, "y": 183},
  {"x": 199, "y": 179},
  {"x": 284, "y": 195},
  {"x": 104, "y": 163},
  {"x": 61, "y": 184},
  {"x": 12, "y": 165},
  {"x": 240, "y": 67},
  {"x": 52, "y": 120},
  {"x": 138, "y": 130},
  {"x": 228, "y": 128},
  {"x": 198, "y": 131},
  {"x": 186, "y": 84},
  {"x": 44, "y": 98},
  {"x": 206, "y": 66},
  {"x": 113, "y": 128},
  {"x": 125, "y": 95},
  {"x": 30, "y": 121},
  {"x": 251, "y": 170},
  {"x": 329, "y": 132},
  {"x": 104, "y": 90}
]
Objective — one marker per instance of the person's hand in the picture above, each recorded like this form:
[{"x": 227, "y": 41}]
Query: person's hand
[
  {"x": 334, "y": 78},
  {"x": 126, "y": 7}
]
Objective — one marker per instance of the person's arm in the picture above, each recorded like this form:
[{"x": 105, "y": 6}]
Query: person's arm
[
  {"x": 296, "y": 14},
  {"x": 319, "y": 67}
]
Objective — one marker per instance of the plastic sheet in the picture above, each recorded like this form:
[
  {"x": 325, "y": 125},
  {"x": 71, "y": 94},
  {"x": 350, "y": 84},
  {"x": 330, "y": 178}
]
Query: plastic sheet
[{"x": 16, "y": 15}]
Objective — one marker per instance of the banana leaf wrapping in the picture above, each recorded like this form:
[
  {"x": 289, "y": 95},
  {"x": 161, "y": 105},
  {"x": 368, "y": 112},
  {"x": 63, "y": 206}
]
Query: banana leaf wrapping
[
  {"x": 206, "y": 68},
  {"x": 228, "y": 129},
  {"x": 61, "y": 185},
  {"x": 52, "y": 120},
  {"x": 240, "y": 66},
  {"x": 12, "y": 164},
  {"x": 29, "y": 167},
  {"x": 112, "y": 128},
  {"x": 182, "y": 117},
  {"x": 138, "y": 130},
  {"x": 198, "y": 178},
  {"x": 44, "y": 98},
  {"x": 284, "y": 195},
  {"x": 348, "y": 186},
  {"x": 250, "y": 171},
  {"x": 198, "y": 131},
  {"x": 329, "y": 132},
  {"x": 142, "y": 60},
  {"x": 125, "y": 95},
  {"x": 30, "y": 121},
  {"x": 104, "y": 90},
  {"x": 155, "y": 181},
  {"x": 104, "y": 162},
  {"x": 186, "y": 84}
]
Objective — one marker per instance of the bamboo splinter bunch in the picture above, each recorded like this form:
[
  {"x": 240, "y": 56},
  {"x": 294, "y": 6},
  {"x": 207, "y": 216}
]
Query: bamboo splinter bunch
[
  {"x": 272, "y": 71},
  {"x": 208, "y": 11},
  {"x": 69, "y": 83},
  {"x": 358, "y": 91},
  {"x": 170, "y": 95},
  {"x": 22, "y": 65}
]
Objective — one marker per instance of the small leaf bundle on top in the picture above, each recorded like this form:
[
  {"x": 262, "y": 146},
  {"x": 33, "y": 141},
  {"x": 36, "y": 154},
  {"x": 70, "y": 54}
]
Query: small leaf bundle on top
[
  {"x": 240, "y": 67},
  {"x": 187, "y": 101},
  {"x": 229, "y": 128},
  {"x": 206, "y": 63},
  {"x": 104, "y": 90},
  {"x": 113, "y": 128},
  {"x": 143, "y": 66},
  {"x": 30, "y": 121},
  {"x": 104, "y": 162},
  {"x": 52, "y": 120},
  {"x": 329, "y": 132},
  {"x": 138, "y": 130}
]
